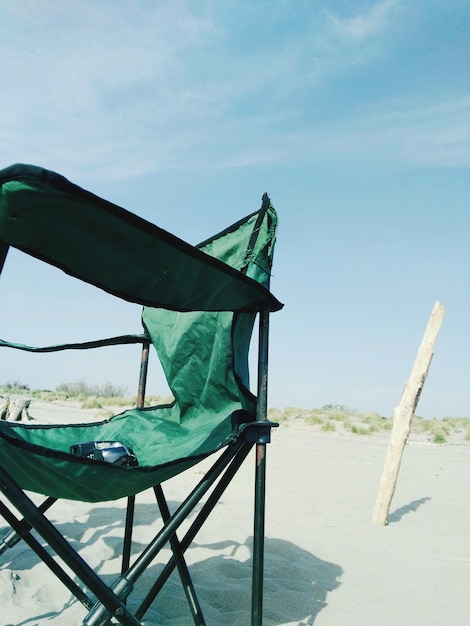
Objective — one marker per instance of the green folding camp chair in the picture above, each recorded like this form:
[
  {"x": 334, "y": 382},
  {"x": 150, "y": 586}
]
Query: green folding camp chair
[{"x": 200, "y": 305}]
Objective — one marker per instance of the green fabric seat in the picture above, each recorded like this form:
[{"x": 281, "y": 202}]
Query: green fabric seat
[{"x": 204, "y": 356}]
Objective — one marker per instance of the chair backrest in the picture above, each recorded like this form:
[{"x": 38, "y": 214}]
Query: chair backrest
[
  {"x": 205, "y": 354},
  {"x": 52, "y": 219}
]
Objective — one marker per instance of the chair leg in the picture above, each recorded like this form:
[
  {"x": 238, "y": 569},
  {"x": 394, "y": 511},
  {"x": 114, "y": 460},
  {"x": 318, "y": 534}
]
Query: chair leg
[
  {"x": 126, "y": 549},
  {"x": 62, "y": 548},
  {"x": 124, "y": 584},
  {"x": 260, "y": 475},
  {"x": 22, "y": 532},
  {"x": 195, "y": 527},
  {"x": 12, "y": 537},
  {"x": 111, "y": 600},
  {"x": 183, "y": 571},
  {"x": 258, "y": 536},
  {"x": 186, "y": 581}
]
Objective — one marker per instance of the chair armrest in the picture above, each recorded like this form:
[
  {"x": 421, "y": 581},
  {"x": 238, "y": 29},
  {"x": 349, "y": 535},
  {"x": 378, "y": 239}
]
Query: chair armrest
[{"x": 99, "y": 343}]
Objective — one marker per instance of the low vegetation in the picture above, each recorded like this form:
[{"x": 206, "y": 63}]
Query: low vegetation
[
  {"x": 89, "y": 396},
  {"x": 342, "y": 419},
  {"x": 330, "y": 418}
]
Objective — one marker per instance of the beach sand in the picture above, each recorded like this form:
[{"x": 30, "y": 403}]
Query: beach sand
[{"x": 326, "y": 564}]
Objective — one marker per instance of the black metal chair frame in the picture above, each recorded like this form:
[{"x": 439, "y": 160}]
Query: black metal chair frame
[{"x": 110, "y": 601}]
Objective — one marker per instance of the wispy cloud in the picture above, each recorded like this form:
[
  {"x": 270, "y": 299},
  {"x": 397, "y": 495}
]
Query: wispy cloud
[
  {"x": 405, "y": 133},
  {"x": 366, "y": 24},
  {"x": 414, "y": 131},
  {"x": 85, "y": 83},
  {"x": 125, "y": 92}
]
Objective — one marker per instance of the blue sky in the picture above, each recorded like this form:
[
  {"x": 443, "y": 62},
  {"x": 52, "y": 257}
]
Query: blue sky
[{"x": 353, "y": 116}]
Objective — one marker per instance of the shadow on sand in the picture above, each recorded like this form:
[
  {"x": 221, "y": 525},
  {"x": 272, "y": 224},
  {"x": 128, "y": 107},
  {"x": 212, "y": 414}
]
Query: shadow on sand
[
  {"x": 296, "y": 583},
  {"x": 404, "y": 510}
]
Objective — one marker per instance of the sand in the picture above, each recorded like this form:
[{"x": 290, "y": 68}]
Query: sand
[{"x": 326, "y": 563}]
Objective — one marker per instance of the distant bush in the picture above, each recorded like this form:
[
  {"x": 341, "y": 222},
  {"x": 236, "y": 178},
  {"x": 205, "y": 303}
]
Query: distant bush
[
  {"x": 275, "y": 415},
  {"x": 339, "y": 417},
  {"x": 338, "y": 407},
  {"x": 439, "y": 437},
  {"x": 293, "y": 412},
  {"x": 359, "y": 430},
  {"x": 91, "y": 403},
  {"x": 420, "y": 425},
  {"x": 14, "y": 386},
  {"x": 314, "y": 419},
  {"x": 82, "y": 388}
]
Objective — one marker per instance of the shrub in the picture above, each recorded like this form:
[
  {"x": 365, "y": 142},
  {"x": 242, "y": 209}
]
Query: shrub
[
  {"x": 15, "y": 386},
  {"x": 84, "y": 389},
  {"x": 314, "y": 419},
  {"x": 359, "y": 430},
  {"x": 159, "y": 400},
  {"x": 339, "y": 417},
  {"x": 439, "y": 437},
  {"x": 275, "y": 415},
  {"x": 338, "y": 407},
  {"x": 91, "y": 403},
  {"x": 104, "y": 415}
]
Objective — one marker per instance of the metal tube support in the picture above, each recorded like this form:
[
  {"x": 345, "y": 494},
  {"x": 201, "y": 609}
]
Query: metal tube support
[
  {"x": 260, "y": 475},
  {"x": 143, "y": 375},
  {"x": 196, "y": 526},
  {"x": 58, "y": 543},
  {"x": 190, "y": 592},
  {"x": 182, "y": 512},
  {"x": 100, "y": 613},
  {"x": 127, "y": 543},
  {"x": 46, "y": 558},
  {"x": 129, "y": 526},
  {"x": 12, "y": 538}
]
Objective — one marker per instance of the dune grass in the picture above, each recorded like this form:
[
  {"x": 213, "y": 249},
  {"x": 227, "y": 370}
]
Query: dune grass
[
  {"x": 341, "y": 419},
  {"x": 330, "y": 418},
  {"x": 89, "y": 396}
]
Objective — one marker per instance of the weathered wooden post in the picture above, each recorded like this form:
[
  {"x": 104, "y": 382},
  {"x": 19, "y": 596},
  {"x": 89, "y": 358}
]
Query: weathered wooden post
[{"x": 403, "y": 415}]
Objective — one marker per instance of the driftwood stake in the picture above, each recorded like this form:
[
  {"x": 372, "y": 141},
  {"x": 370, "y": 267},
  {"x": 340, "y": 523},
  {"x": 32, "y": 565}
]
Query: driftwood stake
[{"x": 403, "y": 415}]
